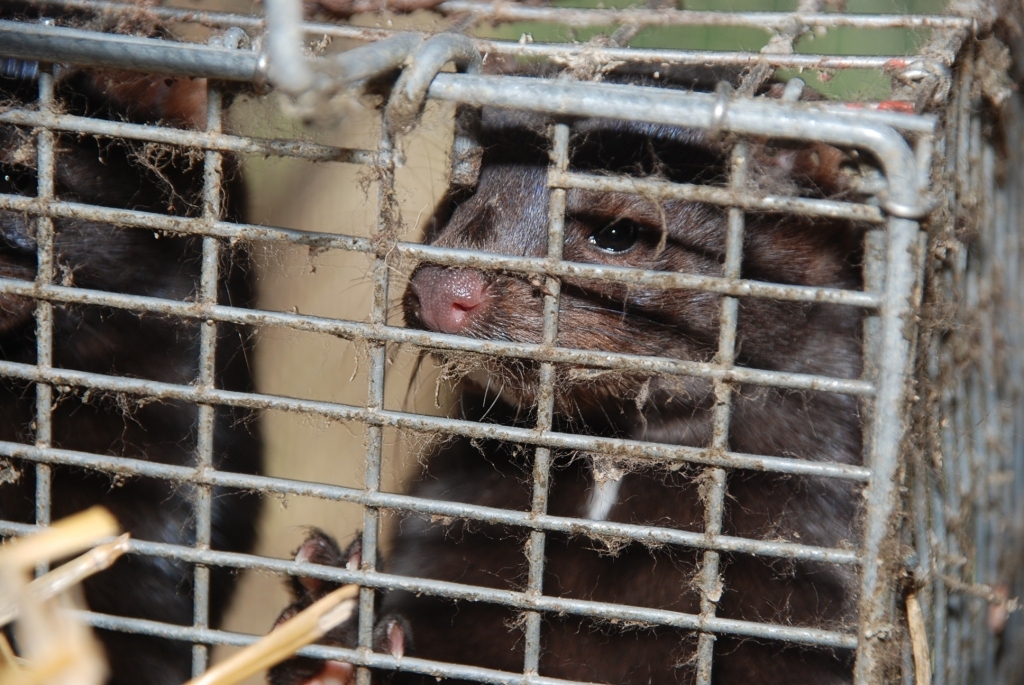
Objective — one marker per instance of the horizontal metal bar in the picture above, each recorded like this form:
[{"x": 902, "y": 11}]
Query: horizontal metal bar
[
  {"x": 409, "y": 664},
  {"x": 26, "y": 40},
  {"x": 753, "y": 116},
  {"x": 186, "y": 138},
  {"x": 97, "y": 49},
  {"x": 726, "y": 197},
  {"x": 428, "y": 339},
  {"x": 649, "y": 535},
  {"x": 561, "y": 52},
  {"x": 664, "y": 58},
  {"x": 501, "y": 12},
  {"x": 631, "y": 449},
  {"x": 509, "y": 598},
  {"x": 182, "y": 225},
  {"x": 438, "y": 255},
  {"x": 657, "y": 279}
]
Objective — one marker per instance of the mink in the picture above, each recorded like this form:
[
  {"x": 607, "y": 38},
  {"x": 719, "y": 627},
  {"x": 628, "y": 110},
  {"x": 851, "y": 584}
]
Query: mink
[
  {"x": 94, "y": 255},
  {"x": 507, "y": 213}
]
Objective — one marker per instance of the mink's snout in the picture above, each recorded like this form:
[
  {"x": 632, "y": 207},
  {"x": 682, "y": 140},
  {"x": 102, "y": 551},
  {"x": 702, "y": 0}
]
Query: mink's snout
[{"x": 446, "y": 300}]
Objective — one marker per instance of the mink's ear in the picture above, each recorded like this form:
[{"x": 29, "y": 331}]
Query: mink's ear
[
  {"x": 147, "y": 98},
  {"x": 818, "y": 167},
  {"x": 444, "y": 210}
]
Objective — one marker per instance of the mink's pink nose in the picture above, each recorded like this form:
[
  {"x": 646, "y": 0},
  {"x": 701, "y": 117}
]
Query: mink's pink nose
[{"x": 449, "y": 298}]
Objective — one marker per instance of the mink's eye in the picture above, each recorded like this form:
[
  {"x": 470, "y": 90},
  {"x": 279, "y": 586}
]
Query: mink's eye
[{"x": 618, "y": 236}]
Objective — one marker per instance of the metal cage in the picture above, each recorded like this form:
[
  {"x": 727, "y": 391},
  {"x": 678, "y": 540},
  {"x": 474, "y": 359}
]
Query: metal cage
[{"x": 943, "y": 473}]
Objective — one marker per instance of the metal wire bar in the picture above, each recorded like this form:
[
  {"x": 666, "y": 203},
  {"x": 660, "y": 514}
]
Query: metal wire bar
[
  {"x": 208, "y": 288},
  {"x": 877, "y": 586},
  {"x": 442, "y": 256},
  {"x": 45, "y": 258},
  {"x": 754, "y": 116},
  {"x": 545, "y": 403},
  {"x": 56, "y": 44},
  {"x": 628, "y": 449},
  {"x": 508, "y": 598},
  {"x": 435, "y": 669},
  {"x": 536, "y": 352},
  {"x": 601, "y": 55},
  {"x": 518, "y": 600},
  {"x": 386, "y": 214},
  {"x": 202, "y": 140},
  {"x": 956, "y": 473},
  {"x": 769, "y": 21},
  {"x": 652, "y": 535},
  {"x": 715, "y": 478},
  {"x": 653, "y": 105},
  {"x": 287, "y": 68},
  {"x": 526, "y": 602},
  {"x": 725, "y": 197}
]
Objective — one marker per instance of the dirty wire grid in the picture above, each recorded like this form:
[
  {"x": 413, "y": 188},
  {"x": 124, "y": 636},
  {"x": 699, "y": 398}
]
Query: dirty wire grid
[{"x": 911, "y": 158}]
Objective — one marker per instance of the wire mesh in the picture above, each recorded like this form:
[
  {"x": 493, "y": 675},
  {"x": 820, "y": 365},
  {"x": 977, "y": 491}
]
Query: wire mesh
[{"x": 964, "y": 469}]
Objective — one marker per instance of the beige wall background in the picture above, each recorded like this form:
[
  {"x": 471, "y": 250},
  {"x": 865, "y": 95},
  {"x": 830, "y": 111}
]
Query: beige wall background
[{"x": 333, "y": 198}]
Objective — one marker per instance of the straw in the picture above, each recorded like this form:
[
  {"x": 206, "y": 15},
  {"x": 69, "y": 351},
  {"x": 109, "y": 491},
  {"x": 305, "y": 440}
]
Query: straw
[
  {"x": 71, "y": 573},
  {"x": 63, "y": 538},
  {"x": 283, "y": 641}
]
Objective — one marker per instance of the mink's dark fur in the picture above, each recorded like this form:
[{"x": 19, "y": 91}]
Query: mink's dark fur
[
  {"x": 507, "y": 213},
  {"x": 102, "y": 340}
]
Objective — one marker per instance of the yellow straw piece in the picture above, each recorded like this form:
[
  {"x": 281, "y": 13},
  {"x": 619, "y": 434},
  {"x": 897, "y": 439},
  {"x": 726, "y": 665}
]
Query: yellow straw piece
[
  {"x": 58, "y": 662},
  {"x": 63, "y": 538},
  {"x": 7, "y": 657},
  {"x": 918, "y": 641},
  {"x": 57, "y": 649},
  {"x": 283, "y": 641},
  {"x": 71, "y": 573}
]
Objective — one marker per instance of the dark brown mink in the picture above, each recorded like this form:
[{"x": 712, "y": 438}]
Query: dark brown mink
[
  {"x": 103, "y": 340},
  {"x": 507, "y": 213}
]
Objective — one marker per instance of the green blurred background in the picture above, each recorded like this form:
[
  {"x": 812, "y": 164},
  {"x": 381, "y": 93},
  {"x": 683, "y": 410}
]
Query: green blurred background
[{"x": 856, "y": 84}]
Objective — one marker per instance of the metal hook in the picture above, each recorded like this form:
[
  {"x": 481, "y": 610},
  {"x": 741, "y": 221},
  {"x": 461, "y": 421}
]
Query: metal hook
[
  {"x": 410, "y": 92},
  {"x": 919, "y": 210}
]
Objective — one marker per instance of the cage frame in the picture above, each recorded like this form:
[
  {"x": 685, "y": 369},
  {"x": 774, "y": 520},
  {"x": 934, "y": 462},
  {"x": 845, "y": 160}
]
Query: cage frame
[{"x": 894, "y": 297}]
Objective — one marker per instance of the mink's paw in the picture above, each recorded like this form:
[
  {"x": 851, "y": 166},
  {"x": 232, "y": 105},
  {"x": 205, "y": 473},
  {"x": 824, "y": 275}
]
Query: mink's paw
[
  {"x": 390, "y": 636},
  {"x": 320, "y": 548}
]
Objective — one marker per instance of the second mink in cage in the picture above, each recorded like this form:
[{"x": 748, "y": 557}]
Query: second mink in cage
[
  {"x": 93, "y": 255},
  {"x": 507, "y": 213}
]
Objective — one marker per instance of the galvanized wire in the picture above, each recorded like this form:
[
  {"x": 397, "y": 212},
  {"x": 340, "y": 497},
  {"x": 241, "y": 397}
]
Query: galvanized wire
[
  {"x": 45, "y": 268},
  {"x": 711, "y": 587},
  {"x": 893, "y": 267}
]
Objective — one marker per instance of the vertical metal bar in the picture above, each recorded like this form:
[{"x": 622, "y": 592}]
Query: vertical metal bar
[
  {"x": 958, "y": 479},
  {"x": 545, "y": 402},
  {"x": 926, "y": 517},
  {"x": 715, "y": 479},
  {"x": 1014, "y": 189},
  {"x": 990, "y": 447},
  {"x": 45, "y": 163},
  {"x": 208, "y": 288},
  {"x": 288, "y": 68},
  {"x": 877, "y": 628},
  {"x": 386, "y": 214},
  {"x": 958, "y": 475},
  {"x": 944, "y": 489}
]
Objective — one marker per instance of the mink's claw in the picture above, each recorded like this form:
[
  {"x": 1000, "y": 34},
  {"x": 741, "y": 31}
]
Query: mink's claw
[{"x": 390, "y": 636}]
